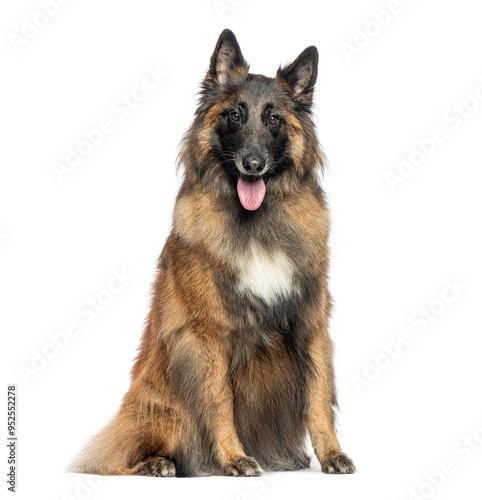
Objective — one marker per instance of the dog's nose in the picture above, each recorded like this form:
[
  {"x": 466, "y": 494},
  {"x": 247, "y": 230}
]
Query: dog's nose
[{"x": 253, "y": 164}]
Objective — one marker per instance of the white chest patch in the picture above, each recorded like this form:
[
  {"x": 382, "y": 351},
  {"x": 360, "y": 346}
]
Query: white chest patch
[{"x": 266, "y": 275}]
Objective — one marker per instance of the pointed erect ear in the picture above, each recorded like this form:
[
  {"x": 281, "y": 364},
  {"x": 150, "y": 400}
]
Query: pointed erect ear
[
  {"x": 300, "y": 75},
  {"x": 226, "y": 59}
]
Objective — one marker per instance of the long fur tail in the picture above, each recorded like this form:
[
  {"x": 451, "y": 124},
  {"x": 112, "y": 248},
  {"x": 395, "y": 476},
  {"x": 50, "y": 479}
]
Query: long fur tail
[{"x": 108, "y": 452}]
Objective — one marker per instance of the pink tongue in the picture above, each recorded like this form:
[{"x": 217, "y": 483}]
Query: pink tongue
[{"x": 251, "y": 191}]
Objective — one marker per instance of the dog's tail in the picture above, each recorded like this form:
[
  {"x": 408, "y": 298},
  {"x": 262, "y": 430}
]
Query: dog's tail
[{"x": 110, "y": 452}]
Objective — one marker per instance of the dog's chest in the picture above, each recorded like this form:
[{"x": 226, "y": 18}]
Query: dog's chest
[{"x": 268, "y": 275}]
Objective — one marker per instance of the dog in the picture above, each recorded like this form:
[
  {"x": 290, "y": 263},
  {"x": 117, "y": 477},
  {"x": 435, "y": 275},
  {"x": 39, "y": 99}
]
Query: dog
[{"x": 235, "y": 364}]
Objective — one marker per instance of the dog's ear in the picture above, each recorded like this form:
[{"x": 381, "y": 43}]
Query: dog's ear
[
  {"x": 227, "y": 61},
  {"x": 301, "y": 75}
]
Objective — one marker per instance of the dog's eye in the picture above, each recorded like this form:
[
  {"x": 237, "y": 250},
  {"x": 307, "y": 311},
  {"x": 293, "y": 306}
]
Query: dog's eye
[
  {"x": 273, "y": 120},
  {"x": 234, "y": 116}
]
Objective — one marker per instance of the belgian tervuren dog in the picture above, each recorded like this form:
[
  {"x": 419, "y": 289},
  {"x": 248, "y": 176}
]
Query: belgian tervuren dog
[{"x": 235, "y": 365}]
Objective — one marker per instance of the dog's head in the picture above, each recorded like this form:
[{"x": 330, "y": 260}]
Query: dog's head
[{"x": 251, "y": 131}]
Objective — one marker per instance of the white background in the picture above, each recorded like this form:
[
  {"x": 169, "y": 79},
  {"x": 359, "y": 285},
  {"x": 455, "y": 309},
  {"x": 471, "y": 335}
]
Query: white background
[{"x": 393, "y": 249}]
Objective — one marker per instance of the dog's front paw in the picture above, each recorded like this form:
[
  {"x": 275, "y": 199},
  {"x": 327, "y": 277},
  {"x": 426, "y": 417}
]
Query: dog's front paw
[
  {"x": 243, "y": 466},
  {"x": 337, "y": 463}
]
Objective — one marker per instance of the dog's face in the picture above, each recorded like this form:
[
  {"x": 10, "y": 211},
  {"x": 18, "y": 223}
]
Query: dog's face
[{"x": 250, "y": 129}]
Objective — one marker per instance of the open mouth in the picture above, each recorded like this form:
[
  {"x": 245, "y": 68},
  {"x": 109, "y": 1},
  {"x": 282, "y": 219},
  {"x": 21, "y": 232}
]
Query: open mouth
[{"x": 251, "y": 191}]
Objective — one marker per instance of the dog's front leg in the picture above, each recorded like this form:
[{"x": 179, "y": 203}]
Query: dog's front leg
[
  {"x": 199, "y": 368},
  {"x": 321, "y": 415}
]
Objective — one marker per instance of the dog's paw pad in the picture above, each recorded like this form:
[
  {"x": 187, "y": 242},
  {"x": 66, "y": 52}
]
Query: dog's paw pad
[{"x": 337, "y": 463}]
